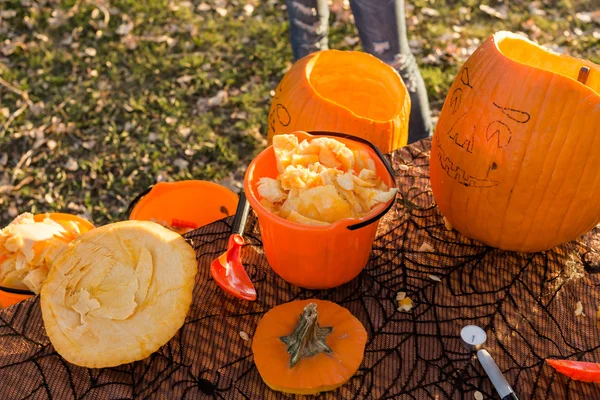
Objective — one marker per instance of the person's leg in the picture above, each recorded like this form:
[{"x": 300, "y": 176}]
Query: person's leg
[
  {"x": 309, "y": 23},
  {"x": 382, "y": 30}
]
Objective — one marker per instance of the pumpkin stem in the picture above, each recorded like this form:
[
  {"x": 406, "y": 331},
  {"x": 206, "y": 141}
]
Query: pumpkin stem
[
  {"x": 584, "y": 73},
  {"x": 308, "y": 339}
]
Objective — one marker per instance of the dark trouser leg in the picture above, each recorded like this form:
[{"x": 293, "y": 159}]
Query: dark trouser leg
[
  {"x": 382, "y": 30},
  {"x": 309, "y": 23}
]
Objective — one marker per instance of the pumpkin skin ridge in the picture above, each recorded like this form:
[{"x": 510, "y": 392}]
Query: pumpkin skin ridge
[
  {"x": 573, "y": 213},
  {"x": 463, "y": 158},
  {"x": 577, "y": 189},
  {"x": 461, "y": 161},
  {"x": 562, "y": 147},
  {"x": 475, "y": 83},
  {"x": 525, "y": 146}
]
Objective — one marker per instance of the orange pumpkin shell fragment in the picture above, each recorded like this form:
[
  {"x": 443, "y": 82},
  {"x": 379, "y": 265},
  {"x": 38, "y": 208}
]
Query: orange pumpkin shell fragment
[{"x": 337, "y": 360}]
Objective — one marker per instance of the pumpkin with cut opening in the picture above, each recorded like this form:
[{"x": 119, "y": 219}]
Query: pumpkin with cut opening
[
  {"x": 515, "y": 156},
  {"x": 343, "y": 91}
]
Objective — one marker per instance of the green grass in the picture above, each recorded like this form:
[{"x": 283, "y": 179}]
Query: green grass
[{"x": 107, "y": 114}]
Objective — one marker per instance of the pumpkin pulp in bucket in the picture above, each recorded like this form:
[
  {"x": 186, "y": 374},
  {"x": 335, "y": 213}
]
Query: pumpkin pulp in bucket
[{"x": 314, "y": 256}]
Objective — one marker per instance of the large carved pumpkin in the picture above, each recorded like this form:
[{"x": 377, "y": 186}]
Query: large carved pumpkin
[
  {"x": 343, "y": 91},
  {"x": 515, "y": 159}
]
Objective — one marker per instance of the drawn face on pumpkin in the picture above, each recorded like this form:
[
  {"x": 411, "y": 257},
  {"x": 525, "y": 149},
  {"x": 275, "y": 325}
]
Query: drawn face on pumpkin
[{"x": 480, "y": 131}]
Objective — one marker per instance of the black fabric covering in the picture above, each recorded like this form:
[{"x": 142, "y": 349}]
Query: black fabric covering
[{"x": 526, "y": 303}]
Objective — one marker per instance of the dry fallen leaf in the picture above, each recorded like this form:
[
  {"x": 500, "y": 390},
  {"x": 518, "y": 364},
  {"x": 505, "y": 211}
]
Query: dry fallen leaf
[
  {"x": 130, "y": 42},
  {"x": 12, "y": 210},
  {"x": 536, "y": 8},
  {"x": 237, "y": 114},
  {"x": 89, "y": 144},
  {"x": 90, "y": 51},
  {"x": 71, "y": 165},
  {"x": 184, "y": 131},
  {"x": 181, "y": 163},
  {"x": 203, "y": 7},
  {"x": 430, "y": 12},
  {"x": 184, "y": 79},
  {"x": 500, "y": 12},
  {"x": 51, "y": 144},
  {"x": 7, "y": 14},
  {"x": 248, "y": 9},
  {"x": 350, "y": 41},
  {"x": 162, "y": 176},
  {"x": 585, "y": 17},
  {"x": 73, "y": 206},
  {"x": 125, "y": 28},
  {"x": 218, "y": 99}
]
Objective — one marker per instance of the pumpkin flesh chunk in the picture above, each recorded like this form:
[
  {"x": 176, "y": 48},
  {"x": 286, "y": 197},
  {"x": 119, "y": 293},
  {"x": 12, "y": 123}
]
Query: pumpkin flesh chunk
[
  {"x": 325, "y": 185},
  {"x": 27, "y": 248}
]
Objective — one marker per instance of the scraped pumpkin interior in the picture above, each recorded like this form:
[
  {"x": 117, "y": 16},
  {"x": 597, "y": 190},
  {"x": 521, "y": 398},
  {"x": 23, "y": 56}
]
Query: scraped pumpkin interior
[
  {"x": 339, "y": 78},
  {"x": 528, "y": 53}
]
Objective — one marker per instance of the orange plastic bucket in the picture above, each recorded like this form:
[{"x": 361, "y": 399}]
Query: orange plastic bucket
[
  {"x": 188, "y": 204},
  {"x": 10, "y": 296},
  {"x": 316, "y": 257}
]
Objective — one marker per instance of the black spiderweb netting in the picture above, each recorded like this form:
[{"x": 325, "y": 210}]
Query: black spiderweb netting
[{"x": 526, "y": 303}]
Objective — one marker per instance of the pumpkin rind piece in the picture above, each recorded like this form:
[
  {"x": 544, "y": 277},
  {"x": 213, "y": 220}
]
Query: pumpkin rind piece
[
  {"x": 343, "y": 91},
  {"x": 321, "y": 372},
  {"x": 118, "y": 293},
  {"x": 516, "y": 151}
]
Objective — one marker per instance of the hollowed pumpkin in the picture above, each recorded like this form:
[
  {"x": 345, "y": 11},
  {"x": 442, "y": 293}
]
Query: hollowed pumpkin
[
  {"x": 515, "y": 158},
  {"x": 343, "y": 91},
  {"x": 308, "y": 346}
]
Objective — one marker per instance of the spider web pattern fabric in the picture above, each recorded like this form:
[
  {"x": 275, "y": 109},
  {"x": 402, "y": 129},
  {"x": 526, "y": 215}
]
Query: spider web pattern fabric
[{"x": 525, "y": 302}]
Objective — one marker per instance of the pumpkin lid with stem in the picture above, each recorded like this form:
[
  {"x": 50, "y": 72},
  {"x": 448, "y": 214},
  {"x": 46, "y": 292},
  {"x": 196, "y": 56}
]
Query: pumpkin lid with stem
[{"x": 308, "y": 346}]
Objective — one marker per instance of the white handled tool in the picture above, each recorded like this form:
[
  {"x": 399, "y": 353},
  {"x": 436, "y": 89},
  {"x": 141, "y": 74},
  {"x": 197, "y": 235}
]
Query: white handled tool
[{"x": 473, "y": 338}]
